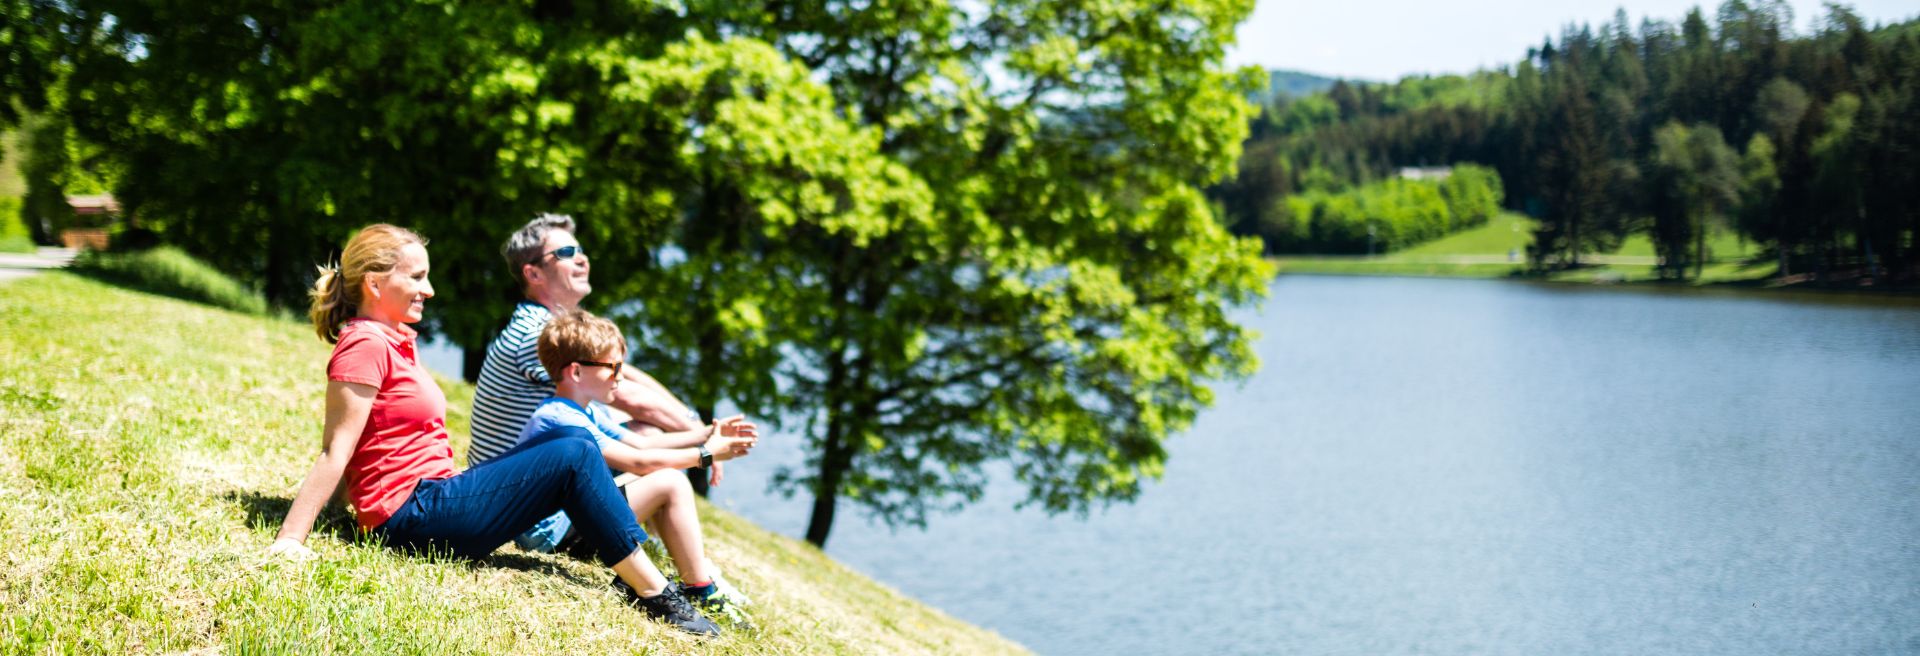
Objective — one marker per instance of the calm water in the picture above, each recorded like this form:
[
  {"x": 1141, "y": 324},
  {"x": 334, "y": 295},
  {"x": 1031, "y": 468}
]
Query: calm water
[{"x": 1469, "y": 467}]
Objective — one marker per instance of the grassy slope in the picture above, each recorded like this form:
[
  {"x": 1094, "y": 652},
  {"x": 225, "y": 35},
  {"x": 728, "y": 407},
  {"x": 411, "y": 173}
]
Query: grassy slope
[
  {"x": 1491, "y": 241},
  {"x": 149, "y": 448},
  {"x": 1503, "y": 233}
]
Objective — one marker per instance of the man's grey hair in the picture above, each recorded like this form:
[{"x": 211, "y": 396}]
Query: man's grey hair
[{"x": 523, "y": 248}]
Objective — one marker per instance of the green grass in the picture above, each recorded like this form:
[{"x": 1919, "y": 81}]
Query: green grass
[
  {"x": 1387, "y": 267},
  {"x": 1482, "y": 253},
  {"x": 1715, "y": 273},
  {"x": 1503, "y": 233},
  {"x": 1724, "y": 245},
  {"x": 149, "y": 448},
  {"x": 172, "y": 272}
]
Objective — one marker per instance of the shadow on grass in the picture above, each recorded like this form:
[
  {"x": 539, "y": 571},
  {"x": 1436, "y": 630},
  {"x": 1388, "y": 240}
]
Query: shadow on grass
[{"x": 266, "y": 512}]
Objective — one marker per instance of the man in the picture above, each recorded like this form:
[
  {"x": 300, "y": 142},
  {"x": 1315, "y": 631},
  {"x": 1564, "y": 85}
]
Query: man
[{"x": 552, "y": 269}]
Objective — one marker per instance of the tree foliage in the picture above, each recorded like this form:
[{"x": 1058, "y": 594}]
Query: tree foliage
[
  {"x": 929, "y": 235},
  {"x": 1387, "y": 216}
]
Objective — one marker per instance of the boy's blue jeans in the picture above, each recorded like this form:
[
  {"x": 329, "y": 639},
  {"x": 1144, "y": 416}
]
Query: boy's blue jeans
[{"x": 475, "y": 512}]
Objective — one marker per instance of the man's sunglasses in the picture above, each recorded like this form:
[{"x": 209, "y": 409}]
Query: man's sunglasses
[
  {"x": 565, "y": 252},
  {"x": 614, "y": 365}
]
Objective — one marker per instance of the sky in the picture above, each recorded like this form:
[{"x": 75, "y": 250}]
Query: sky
[{"x": 1387, "y": 39}]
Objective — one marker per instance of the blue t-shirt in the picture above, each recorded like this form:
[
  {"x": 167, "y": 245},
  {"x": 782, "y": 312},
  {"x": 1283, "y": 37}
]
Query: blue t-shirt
[
  {"x": 560, "y": 411},
  {"x": 553, "y": 413}
]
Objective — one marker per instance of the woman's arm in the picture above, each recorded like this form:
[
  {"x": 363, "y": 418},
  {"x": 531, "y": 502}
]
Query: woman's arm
[{"x": 348, "y": 406}]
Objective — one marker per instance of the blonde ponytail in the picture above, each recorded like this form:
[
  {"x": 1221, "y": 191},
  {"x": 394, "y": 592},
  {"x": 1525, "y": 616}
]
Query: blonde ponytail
[
  {"x": 329, "y": 307},
  {"x": 336, "y": 295}
]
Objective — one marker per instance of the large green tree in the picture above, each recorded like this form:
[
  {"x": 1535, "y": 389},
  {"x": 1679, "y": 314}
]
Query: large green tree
[
  {"x": 925, "y": 236},
  {"x": 1001, "y": 252}
]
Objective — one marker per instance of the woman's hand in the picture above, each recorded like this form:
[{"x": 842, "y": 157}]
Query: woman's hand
[{"x": 290, "y": 549}]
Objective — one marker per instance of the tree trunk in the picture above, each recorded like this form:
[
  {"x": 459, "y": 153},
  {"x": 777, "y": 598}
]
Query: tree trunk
[
  {"x": 837, "y": 455},
  {"x": 1700, "y": 248},
  {"x": 698, "y": 476},
  {"x": 470, "y": 361},
  {"x": 711, "y": 362}
]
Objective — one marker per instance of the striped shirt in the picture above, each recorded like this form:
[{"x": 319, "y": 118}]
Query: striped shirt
[{"x": 512, "y": 384}]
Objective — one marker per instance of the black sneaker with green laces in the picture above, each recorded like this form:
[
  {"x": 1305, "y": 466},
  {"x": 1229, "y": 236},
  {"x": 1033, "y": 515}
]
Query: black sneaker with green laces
[
  {"x": 669, "y": 606},
  {"x": 717, "y": 604}
]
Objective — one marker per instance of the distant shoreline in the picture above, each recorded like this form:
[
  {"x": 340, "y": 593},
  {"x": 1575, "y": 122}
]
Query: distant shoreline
[{"x": 1478, "y": 268}]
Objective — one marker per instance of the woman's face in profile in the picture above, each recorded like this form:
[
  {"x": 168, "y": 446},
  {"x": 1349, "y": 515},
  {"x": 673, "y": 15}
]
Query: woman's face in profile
[{"x": 401, "y": 295}]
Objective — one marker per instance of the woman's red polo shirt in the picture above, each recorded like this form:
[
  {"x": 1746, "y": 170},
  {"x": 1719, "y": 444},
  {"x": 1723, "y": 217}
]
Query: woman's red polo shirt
[{"x": 405, "y": 439}]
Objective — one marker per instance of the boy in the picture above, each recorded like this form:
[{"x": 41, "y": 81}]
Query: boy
[{"x": 584, "y": 355}]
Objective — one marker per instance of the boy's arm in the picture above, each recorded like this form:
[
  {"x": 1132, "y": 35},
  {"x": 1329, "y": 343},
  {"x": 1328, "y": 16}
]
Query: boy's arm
[
  {"x": 728, "y": 439},
  {"x": 736, "y": 426},
  {"x": 646, "y": 461}
]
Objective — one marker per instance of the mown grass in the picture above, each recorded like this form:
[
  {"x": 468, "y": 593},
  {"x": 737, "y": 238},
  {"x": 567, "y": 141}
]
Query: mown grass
[
  {"x": 1504, "y": 233},
  {"x": 1387, "y": 267},
  {"x": 149, "y": 448}
]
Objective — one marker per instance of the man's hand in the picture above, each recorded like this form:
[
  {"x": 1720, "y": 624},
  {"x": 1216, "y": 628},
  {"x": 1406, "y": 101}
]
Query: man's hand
[{"x": 713, "y": 474}]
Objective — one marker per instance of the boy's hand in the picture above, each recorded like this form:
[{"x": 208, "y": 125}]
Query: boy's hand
[
  {"x": 713, "y": 474},
  {"x": 731, "y": 438},
  {"x": 737, "y": 426}
]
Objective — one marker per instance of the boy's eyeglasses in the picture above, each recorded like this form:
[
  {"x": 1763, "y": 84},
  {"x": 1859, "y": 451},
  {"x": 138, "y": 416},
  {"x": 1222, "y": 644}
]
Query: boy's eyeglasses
[
  {"x": 614, "y": 365},
  {"x": 566, "y": 252}
]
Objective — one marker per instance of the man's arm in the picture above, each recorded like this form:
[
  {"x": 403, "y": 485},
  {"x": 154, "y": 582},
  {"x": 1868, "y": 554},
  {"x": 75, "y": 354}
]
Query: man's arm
[{"x": 649, "y": 402}]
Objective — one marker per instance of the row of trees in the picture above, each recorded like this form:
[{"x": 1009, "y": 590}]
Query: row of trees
[
  {"x": 1384, "y": 216},
  {"x": 924, "y": 235},
  {"x": 1802, "y": 142}
]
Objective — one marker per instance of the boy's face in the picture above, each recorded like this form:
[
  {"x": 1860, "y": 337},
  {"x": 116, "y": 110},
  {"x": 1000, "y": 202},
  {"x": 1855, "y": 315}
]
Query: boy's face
[{"x": 600, "y": 382}]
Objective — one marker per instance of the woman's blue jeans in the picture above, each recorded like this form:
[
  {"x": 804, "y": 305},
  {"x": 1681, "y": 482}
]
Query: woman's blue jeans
[{"x": 475, "y": 512}]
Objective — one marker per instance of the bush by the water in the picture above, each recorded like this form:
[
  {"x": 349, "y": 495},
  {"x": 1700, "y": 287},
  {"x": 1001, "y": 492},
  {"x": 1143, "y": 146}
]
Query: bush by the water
[
  {"x": 1400, "y": 212},
  {"x": 172, "y": 272}
]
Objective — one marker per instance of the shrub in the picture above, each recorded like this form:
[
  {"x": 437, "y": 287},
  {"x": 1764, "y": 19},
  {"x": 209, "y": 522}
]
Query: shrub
[
  {"x": 1384, "y": 216},
  {"x": 14, "y": 237},
  {"x": 172, "y": 272}
]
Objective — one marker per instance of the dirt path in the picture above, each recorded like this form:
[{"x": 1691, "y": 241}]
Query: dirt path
[{"x": 21, "y": 265}]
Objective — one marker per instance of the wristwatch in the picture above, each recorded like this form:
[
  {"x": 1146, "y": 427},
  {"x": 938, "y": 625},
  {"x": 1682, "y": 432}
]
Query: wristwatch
[{"x": 706, "y": 457}]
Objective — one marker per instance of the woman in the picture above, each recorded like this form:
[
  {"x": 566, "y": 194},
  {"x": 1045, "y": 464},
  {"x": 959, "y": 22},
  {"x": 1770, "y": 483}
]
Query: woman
[{"x": 385, "y": 433}]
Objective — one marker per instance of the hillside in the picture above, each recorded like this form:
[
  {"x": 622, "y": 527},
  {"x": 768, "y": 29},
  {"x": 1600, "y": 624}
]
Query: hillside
[
  {"x": 1296, "y": 83},
  {"x": 149, "y": 448}
]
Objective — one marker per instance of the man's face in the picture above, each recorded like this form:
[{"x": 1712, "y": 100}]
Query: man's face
[{"x": 563, "y": 278}]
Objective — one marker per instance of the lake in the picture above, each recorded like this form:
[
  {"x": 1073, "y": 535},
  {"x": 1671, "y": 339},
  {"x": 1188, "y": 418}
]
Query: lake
[{"x": 1476, "y": 467}]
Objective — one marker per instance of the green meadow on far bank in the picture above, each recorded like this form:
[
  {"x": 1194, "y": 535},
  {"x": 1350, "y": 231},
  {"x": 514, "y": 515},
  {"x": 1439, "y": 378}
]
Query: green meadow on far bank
[
  {"x": 149, "y": 448},
  {"x": 1499, "y": 250}
]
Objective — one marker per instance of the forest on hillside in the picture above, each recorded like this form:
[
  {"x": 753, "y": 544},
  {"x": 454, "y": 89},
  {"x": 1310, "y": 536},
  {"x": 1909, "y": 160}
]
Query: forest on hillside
[{"x": 1802, "y": 143}]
